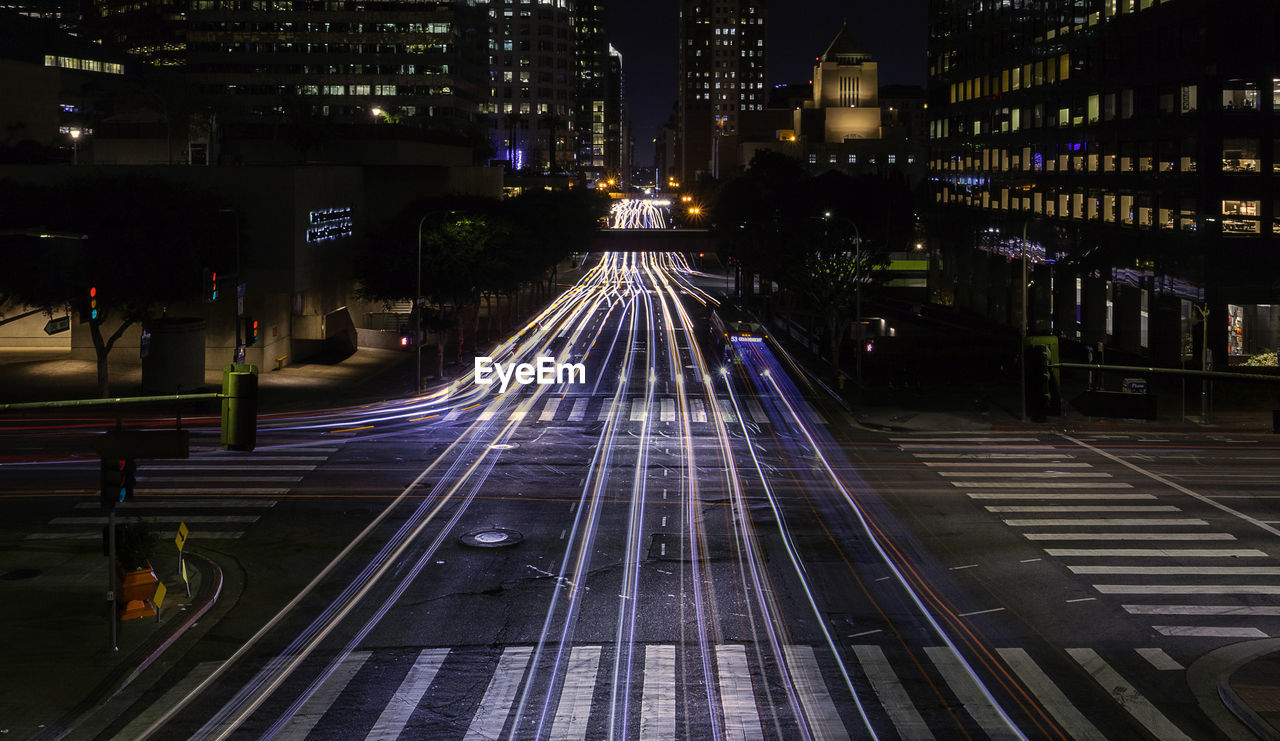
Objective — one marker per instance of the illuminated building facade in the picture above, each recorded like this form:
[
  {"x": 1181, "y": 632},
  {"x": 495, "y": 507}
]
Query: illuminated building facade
[
  {"x": 1136, "y": 141},
  {"x": 530, "y": 107},
  {"x": 722, "y": 74},
  {"x": 597, "y": 97}
]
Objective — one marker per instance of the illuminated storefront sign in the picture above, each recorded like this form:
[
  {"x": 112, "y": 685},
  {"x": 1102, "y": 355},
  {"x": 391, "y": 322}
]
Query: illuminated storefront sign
[{"x": 329, "y": 223}]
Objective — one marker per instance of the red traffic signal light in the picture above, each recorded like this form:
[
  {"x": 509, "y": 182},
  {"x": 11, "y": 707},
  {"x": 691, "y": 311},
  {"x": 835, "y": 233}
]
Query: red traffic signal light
[
  {"x": 210, "y": 285},
  {"x": 250, "y": 331},
  {"x": 93, "y": 303}
]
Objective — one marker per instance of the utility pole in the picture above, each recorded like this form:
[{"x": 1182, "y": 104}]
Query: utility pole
[
  {"x": 1205, "y": 362},
  {"x": 417, "y": 310}
]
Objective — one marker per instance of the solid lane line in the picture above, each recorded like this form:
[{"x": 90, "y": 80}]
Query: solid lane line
[
  {"x": 315, "y": 707},
  {"x": 1071, "y": 719},
  {"x": 823, "y": 719},
  {"x": 1127, "y": 697},
  {"x": 658, "y": 701},
  {"x": 395, "y": 716},
  {"x": 893, "y": 697},
  {"x": 575, "y": 696}
]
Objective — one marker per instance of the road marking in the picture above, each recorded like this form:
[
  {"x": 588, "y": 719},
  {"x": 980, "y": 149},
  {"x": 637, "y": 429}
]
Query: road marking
[
  {"x": 575, "y": 695},
  {"x": 667, "y": 412},
  {"x": 1071, "y": 719},
  {"x": 969, "y": 693},
  {"x": 965, "y": 439},
  {"x": 212, "y": 490},
  {"x": 453, "y": 414},
  {"x": 225, "y": 467},
  {"x": 1241, "y": 610},
  {"x": 726, "y": 409},
  {"x": 757, "y": 412},
  {"x": 97, "y": 535},
  {"x": 981, "y": 612},
  {"x": 1041, "y": 485},
  {"x": 606, "y": 410},
  {"x": 1082, "y": 599},
  {"x": 1064, "y": 497},
  {"x": 215, "y": 458},
  {"x": 183, "y": 504},
  {"x": 579, "y": 410},
  {"x": 1179, "y": 487},
  {"x": 1158, "y": 552},
  {"x": 549, "y": 411},
  {"x": 1200, "y": 631},
  {"x": 698, "y": 410},
  {"x": 220, "y": 479},
  {"x": 1177, "y": 570},
  {"x": 1126, "y": 696},
  {"x": 314, "y": 708},
  {"x": 491, "y": 410},
  {"x": 1002, "y": 464},
  {"x": 395, "y": 716},
  {"x": 893, "y": 698},
  {"x": 1187, "y": 588},
  {"x": 1107, "y": 522},
  {"x": 658, "y": 700},
  {"x": 1028, "y": 474},
  {"x": 1082, "y": 508},
  {"x": 737, "y": 698},
  {"x": 155, "y": 710},
  {"x": 1129, "y": 536},
  {"x": 156, "y": 519},
  {"x": 941, "y": 446},
  {"x": 823, "y": 719},
  {"x": 993, "y": 456},
  {"x": 639, "y": 410},
  {"x": 1159, "y": 659},
  {"x": 495, "y": 706}
]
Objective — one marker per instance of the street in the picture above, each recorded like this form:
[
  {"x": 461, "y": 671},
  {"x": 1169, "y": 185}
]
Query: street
[{"x": 693, "y": 542}]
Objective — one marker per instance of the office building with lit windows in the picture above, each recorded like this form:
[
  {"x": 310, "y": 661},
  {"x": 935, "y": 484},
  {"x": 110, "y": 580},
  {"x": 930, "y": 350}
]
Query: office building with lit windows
[
  {"x": 722, "y": 61},
  {"x": 1136, "y": 143},
  {"x": 597, "y": 98},
  {"x": 530, "y": 107}
]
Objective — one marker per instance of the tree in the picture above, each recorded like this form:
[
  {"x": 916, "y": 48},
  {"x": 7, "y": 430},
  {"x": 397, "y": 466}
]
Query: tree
[{"x": 142, "y": 242}]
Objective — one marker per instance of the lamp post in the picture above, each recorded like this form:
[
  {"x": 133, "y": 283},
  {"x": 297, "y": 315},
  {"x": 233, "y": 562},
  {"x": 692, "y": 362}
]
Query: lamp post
[
  {"x": 238, "y": 353},
  {"x": 75, "y": 146},
  {"x": 417, "y": 307},
  {"x": 1022, "y": 335}
]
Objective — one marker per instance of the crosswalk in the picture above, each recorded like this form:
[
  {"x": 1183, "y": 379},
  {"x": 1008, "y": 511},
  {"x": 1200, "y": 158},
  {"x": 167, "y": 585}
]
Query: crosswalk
[
  {"x": 560, "y": 409},
  {"x": 473, "y": 693},
  {"x": 213, "y": 493},
  {"x": 1135, "y": 542}
]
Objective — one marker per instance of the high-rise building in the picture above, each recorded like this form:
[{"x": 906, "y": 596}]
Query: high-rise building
[
  {"x": 531, "y": 83},
  {"x": 415, "y": 62},
  {"x": 722, "y": 73},
  {"x": 1135, "y": 143}
]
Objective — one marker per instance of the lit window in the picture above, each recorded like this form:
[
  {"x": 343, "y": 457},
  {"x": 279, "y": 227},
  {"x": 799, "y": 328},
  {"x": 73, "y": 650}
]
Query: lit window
[
  {"x": 1240, "y": 156},
  {"x": 1240, "y": 217},
  {"x": 813, "y": 159}
]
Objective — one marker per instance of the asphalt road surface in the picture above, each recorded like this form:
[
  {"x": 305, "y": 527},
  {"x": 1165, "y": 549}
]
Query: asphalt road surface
[{"x": 679, "y": 539}]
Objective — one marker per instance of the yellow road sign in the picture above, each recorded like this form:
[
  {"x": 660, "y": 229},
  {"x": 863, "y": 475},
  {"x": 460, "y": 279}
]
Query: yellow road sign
[
  {"x": 159, "y": 598},
  {"x": 181, "y": 539}
]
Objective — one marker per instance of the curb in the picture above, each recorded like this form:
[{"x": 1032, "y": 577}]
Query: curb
[{"x": 1209, "y": 680}]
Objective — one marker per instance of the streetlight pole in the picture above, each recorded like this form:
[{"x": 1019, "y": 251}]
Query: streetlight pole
[
  {"x": 1204, "y": 361},
  {"x": 1022, "y": 335},
  {"x": 857, "y": 303},
  {"x": 417, "y": 307},
  {"x": 237, "y": 355}
]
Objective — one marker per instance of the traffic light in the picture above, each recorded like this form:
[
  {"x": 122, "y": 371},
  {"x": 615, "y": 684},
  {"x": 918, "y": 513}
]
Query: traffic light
[
  {"x": 94, "y": 314},
  {"x": 250, "y": 331},
  {"x": 239, "y": 407},
  {"x": 210, "y": 286},
  {"x": 117, "y": 481}
]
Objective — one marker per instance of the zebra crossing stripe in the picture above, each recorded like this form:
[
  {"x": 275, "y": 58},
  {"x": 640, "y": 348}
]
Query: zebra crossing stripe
[
  {"x": 991, "y": 495},
  {"x": 1187, "y": 588},
  {"x": 491, "y": 410},
  {"x": 1082, "y": 508},
  {"x": 668, "y": 411},
  {"x": 726, "y": 409},
  {"x": 698, "y": 410},
  {"x": 575, "y": 697},
  {"x": 1128, "y": 536},
  {"x": 1108, "y": 522},
  {"x": 1159, "y": 659},
  {"x": 97, "y": 535},
  {"x": 1273, "y": 610},
  {"x": 638, "y": 410},
  {"x": 1071, "y": 719},
  {"x": 969, "y": 694},
  {"x": 453, "y": 414},
  {"x": 549, "y": 411},
  {"x": 606, "y": 410},
  {"x": 737, "y": 699},
  {"x": 578, "y": 411},
  {"x": 184, "y": 503},
  {"x": 395, "y": 716},
  {"x": 229, "y": 467},
  {"x": 820, "y": 712},
  {"x": 658, "y": 701},
  {"x": 1028, "y": 474},
  {"x": 1156, "y": 552},
  {"x": 1002, "y": 464},
  {"x": 893, "y": 698},
  {"x": 314, "y": 708},
  {"x": 157, "y": 519},
  {"x": 495, "y": 706},
  {"x": 1041, "y": 485},
  {"x": 1126, "y": 696},
  {"x": 757, "y": 412},
  {"x": 221, "y": 479},
  {"x": 142, "y": 721},
  {"x": 970, "y": 439},
  {"x": 992, "y": 456}
]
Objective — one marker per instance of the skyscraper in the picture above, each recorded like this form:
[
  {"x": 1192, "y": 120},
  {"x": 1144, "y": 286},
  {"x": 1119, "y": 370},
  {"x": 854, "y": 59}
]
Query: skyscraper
[
  {"x": 1134, "y": 142},
  {"x": 722, "y": 73},
  {"x": 597, "y": 96}
]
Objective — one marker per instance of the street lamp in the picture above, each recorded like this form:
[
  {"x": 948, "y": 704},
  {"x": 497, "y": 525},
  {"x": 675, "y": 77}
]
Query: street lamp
[
  {"x": 75, "y": 145},
  {"x": 238, "y": 354}
]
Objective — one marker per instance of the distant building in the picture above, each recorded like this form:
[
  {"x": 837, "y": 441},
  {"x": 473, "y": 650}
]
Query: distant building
[
  {"x": 721, "y": 75},
  {"x": 1135, "y": 143}
]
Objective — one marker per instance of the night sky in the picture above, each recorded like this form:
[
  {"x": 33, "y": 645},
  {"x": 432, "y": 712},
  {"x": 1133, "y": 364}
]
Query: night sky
[{"x": 644, "y": 31}]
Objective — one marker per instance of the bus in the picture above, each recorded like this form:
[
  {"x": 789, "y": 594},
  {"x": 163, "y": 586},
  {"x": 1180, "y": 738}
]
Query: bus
[{"x": 729, "y": 323}]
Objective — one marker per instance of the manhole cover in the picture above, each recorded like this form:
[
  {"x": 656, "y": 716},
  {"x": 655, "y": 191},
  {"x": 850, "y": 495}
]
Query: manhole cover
[
  {"x": 491, "y": 537},
  {"x": 19, "y": 574},
  {"x": 503, "y": 446}
]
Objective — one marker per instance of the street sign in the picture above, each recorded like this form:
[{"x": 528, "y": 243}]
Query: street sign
[
  {"x": 143, "y": 444},
  {"x": 57, "y": 324},
  {"x": 181, "y": 540}
]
